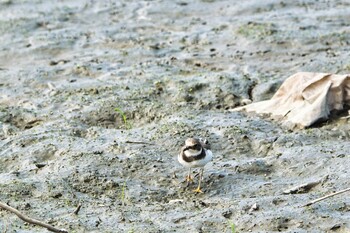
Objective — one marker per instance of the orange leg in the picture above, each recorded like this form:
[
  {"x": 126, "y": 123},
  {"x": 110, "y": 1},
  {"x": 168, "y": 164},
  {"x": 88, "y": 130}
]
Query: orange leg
[
  {"x": 198, "y": 189},
  {"x": 189, "y": 178}
]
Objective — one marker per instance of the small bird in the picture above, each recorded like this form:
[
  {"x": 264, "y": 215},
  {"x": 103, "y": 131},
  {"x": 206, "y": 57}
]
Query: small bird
[{"x": 195, "y": 153}]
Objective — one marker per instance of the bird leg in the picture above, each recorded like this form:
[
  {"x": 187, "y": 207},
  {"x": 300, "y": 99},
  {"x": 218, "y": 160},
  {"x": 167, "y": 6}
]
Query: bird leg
[
  {"x": 198, "y": 189},
  {"x": 189, "y": 178}
]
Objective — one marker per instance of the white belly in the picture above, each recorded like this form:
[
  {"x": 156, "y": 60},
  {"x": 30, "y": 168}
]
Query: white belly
[{"x": 197, "y": 163}]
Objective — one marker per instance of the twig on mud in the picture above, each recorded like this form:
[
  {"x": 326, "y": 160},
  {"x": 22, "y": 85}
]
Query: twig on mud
[
  {"x": 303, "y": 188},
  {"x": 30, "y": 220},
  {"x": 138, "y": 98},
  {"x": 325, "y": 197},
  {"x": 139, "y": 142},
  {"x": 77, "y": 209}
]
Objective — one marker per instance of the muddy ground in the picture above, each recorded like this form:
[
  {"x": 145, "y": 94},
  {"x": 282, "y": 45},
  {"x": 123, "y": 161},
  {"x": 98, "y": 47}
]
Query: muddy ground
[{"x": 97, "y": 97}]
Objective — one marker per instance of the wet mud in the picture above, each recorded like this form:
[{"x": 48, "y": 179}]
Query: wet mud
[{"x": 97, "y": 97}]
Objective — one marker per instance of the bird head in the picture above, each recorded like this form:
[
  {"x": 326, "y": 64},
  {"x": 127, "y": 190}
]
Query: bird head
[{"x": 192, "y": 144}]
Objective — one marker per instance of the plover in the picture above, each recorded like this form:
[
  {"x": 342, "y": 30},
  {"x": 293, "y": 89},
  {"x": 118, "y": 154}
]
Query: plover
[{"x": 195, "y": 154}]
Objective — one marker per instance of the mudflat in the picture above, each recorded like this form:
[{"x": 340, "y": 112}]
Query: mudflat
[{"x": 97, "y": 97}]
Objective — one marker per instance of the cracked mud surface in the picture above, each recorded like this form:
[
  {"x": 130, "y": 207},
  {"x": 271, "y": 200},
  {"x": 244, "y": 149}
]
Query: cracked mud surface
[{"x": 173, "y": 70}]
